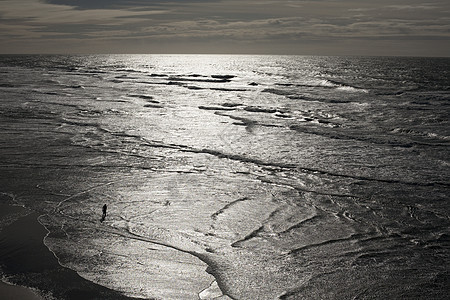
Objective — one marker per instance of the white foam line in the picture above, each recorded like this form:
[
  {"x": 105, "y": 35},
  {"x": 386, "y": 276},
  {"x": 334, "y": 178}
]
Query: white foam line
[
  {"x": 13, "y": 199},
  {"x": 212, "y": 292}
]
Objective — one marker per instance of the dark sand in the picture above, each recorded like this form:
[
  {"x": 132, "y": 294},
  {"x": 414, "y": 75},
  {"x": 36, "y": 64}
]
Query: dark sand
[
  {"x": 26, "y": 261},
  {"x": 11, "y": 292}
]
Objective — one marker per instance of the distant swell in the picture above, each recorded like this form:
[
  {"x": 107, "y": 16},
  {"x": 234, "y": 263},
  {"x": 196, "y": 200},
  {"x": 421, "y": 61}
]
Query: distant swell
[{"x": 320, "y": 83}]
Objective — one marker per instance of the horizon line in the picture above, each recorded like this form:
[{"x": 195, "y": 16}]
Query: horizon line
[{"x": 230, "y": 54}]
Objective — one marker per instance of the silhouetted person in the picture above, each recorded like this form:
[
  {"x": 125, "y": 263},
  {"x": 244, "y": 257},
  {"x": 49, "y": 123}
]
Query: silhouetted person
[{"x": 104, "y": 213}]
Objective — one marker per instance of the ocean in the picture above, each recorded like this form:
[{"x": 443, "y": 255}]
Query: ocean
[{"x": 228, "y": 176}]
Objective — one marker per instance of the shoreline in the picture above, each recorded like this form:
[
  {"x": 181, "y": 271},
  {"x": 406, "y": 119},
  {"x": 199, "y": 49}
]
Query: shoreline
[
  {"x": 10, "y": 291},
  {"x": 29, "y": 265}
]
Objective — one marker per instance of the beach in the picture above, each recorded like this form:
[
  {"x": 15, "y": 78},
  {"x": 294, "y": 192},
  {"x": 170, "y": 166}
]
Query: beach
[
  {"x": 224, "y": 176},
  {"x": 16, "y": 292},
  {"x": 23, "y": 252},
  {"x": 7, "y": 290}
]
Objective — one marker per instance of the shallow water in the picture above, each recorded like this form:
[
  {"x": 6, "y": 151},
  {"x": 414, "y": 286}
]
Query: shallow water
[{"x": 254, "y": 177}]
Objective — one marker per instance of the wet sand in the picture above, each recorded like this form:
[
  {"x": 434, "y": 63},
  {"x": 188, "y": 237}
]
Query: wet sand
[
  {"x": 26, "y": 261},
  {"x": 8, "y": 291}
]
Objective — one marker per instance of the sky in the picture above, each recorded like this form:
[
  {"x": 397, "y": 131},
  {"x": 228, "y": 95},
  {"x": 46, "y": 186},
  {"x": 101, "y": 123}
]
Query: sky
[{"x": 346, "y": 27}]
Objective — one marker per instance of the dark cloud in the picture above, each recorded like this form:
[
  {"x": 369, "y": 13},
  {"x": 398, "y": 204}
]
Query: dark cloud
[{"x": 118, "y": 4}]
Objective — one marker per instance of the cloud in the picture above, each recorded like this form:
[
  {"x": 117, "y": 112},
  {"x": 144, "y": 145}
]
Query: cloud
[
  {"x": 124, "y": 4},
  {"x": 224, "y": 22},
  {"x": 35, "y": 12},
  {"x": 413, "y": 7}
]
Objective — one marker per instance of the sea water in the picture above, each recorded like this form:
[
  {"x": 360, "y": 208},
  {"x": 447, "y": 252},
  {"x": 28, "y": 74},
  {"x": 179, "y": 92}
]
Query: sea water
[{"x": 242, "y": 177}]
